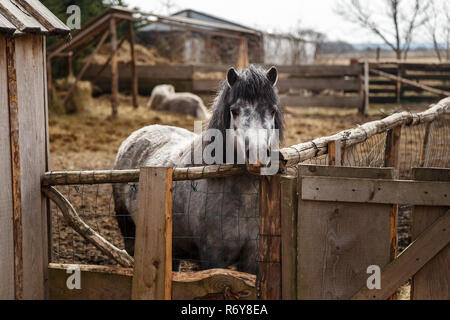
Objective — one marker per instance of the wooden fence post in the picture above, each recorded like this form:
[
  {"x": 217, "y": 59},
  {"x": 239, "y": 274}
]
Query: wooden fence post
[
  {"x": 425, "y": 146},
  {"x": 335, "y": 154},
  {"x": 114, "y": 69},
  {"x": 289, "y": 204},
  {"x": 365, "y": 90},
  {"x": 153, "y": 249},
  {"x": 269, "y": 266},
  {"x": 391, "y": 159},
  {"x": 134, "y": 78},
  {"x": 243, "y": 53}
]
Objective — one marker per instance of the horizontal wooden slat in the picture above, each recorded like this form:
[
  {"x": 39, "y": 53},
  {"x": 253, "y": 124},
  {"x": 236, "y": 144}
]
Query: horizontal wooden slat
[
  {"x": 319, "y": 84},
  {"x": 322, "y": 101},
  {"x": 376, "y": 191},
  {"x": 322, "y": 70},
  {"x": 112, "y": 283}
]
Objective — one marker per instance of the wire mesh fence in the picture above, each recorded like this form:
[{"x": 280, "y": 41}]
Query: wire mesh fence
[{"x": 215, "y": 219}]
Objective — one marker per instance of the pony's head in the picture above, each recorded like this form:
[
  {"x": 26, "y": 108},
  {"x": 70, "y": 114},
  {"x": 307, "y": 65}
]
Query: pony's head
[{"x": 248, "y": 106}]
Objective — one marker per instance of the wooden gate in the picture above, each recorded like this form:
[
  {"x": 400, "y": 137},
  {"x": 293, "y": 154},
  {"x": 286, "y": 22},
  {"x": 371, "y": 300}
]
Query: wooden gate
[{"x": 345, "y": 223}]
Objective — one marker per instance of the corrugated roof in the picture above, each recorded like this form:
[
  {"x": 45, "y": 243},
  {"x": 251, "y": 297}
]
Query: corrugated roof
[{"x": 28, "y": 16}]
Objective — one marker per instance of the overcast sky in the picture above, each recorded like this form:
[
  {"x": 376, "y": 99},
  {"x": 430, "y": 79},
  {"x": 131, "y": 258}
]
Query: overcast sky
[{"x": 280, "y": 15}]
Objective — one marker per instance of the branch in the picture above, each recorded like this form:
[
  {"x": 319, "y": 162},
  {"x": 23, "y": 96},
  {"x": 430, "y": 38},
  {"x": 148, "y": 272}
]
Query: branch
[{"x": 74, "y": 220}]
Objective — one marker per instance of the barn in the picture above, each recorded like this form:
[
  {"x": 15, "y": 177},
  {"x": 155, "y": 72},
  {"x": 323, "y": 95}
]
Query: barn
[{"x": 212, "y": 44}]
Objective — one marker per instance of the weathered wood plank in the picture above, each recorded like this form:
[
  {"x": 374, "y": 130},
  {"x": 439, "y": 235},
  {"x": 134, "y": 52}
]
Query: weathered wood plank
[
  {"x": 411, "y": 260},
  {"x": 16, "y": 178},
  {"x": 335, "y": 153},
  {"x": 153, "y": 249},
  {"x": 134, "y": 77},
  {"x": 112, "y": 283},
  {"x": 322, "y": 70},
  {"x": 321, "y": 101},
  {"x": 31, "y": 89},
  {"x": 288, "y": 237},
  {"x": 6, "y": 204},
  {"x": 433, "y": 280},
  {"x": 348, "y": 236},
  {"x": 114, "y": 68},
  {"x": 44, "y": 16},
  {"x": 18, "y": 16},
  {"x": 319, "y": 84},
  {"x": 269, "y": 263},
  {"x": 376, "y": 191}
]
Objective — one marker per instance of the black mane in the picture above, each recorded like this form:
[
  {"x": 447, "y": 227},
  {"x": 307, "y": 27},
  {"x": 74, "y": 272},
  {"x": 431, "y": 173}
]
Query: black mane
[{"x": 253, "y": 86}]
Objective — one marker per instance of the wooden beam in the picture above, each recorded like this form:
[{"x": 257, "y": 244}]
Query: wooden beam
[
  {"x": 55, "y": 178},
  {"x": 242, "y": 61},
  {"x": 365, "y": 89},
  {"x": 113, "y": 283},
  {"x": 269, "y": 262},
  {"x": 114, "y": 69},
  {"x": 153, "y": 249},
  {"x": 411, "y": 83},
  {"x": 15, "y": 167},
  {"x": 134, "y": 77},
  {"x": 86, "y": 66},
  {"x": 103, "y": 67},
  {"x": 411, "y": 260},
  {"x": 376, "y": 191}
]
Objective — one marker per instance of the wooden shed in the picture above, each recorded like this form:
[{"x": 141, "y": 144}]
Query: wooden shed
[{"x": 23, "y": 146}]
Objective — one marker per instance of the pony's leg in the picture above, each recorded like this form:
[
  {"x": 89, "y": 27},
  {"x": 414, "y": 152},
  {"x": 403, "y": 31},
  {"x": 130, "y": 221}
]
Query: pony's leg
[
  {"x": 128, "y": 230},
  {"x": 126, "y": 224}
]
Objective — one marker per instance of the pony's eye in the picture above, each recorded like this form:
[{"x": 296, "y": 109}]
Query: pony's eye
[{"x": 235, "y": 112}]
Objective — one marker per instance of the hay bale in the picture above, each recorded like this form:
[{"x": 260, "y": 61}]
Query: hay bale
[
  {"x": 56, "y": 103},
  {"x": 81, "y": 98}
]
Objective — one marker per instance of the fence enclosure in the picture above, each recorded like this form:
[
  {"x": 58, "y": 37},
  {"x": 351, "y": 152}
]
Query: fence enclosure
[{"x": 320, "y": 226}]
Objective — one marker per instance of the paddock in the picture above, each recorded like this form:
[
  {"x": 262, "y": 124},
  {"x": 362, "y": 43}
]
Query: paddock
[{"x": 352, "y": 184}]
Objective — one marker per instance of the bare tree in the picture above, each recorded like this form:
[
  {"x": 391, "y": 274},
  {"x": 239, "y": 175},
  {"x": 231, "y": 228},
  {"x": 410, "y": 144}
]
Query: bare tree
[
  {"x": 438, "y": 29},
  {"x": 168, "y": 6},
  {"x": 395, "y": 24}
]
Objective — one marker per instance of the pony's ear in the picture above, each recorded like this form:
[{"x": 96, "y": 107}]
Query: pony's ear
[
  {"x": 232, "y": 77},
  {"x": 272, "y": 75}
]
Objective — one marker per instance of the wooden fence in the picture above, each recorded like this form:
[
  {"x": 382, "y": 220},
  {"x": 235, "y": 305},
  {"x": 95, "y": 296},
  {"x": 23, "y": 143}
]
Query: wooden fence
[
  {"x": 340, "y": 86},
  {"x": 348, "y": 214},
  {"x": 385, "y": 90}
]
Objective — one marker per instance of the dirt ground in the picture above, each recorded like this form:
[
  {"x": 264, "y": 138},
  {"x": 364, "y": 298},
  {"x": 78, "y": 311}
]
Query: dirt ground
[{"x": 90, "y": 140}]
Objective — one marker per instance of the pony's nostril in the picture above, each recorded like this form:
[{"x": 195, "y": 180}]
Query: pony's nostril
[{"x": 268, "y": 153}]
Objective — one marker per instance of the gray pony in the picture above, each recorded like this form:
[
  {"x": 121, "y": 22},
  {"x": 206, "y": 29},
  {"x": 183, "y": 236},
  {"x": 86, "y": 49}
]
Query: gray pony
[{"x": 215, "y": 221}]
